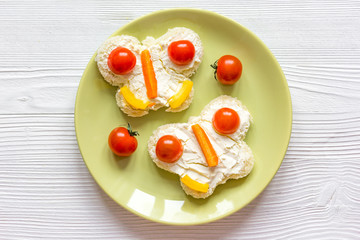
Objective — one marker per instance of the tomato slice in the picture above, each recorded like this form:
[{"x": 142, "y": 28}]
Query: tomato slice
[
  {"x": 181, "y": 52},
  {"x": 121, "y": 61},
  {"x": 169, "y": 149},
  {"x": 226, "y": 121}
]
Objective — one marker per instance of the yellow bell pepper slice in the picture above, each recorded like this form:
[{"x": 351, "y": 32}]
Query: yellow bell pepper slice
[
  {"x": 178, "y": 98},
  {"x": 194, "y": 185},
  {"x": 133, "y": 101}
]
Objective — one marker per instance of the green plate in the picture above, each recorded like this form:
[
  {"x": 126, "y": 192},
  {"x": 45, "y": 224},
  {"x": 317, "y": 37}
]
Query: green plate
[{"x": 135, "y": 182}]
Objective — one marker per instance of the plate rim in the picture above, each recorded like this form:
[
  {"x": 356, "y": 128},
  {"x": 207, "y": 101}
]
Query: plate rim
[{"x": 283, "y": 79}]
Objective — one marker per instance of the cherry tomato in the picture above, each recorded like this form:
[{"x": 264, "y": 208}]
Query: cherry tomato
[
  {"x": 181, "y": 52},
  {"x": 121, "y": 61},
  {"x": 228, "y": 69},
  {"x": 169, "y": 149},
  {"x": 122, "y": 141},
  {"x": 226, "y": 121}
]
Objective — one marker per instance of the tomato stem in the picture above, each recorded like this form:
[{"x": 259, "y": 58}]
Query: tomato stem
[
  {"x": 131, "y": 132},
  {"x": 214, "y": 66}
]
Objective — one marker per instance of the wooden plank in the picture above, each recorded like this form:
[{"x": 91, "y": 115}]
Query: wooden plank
[
  {"x": 46, "y": 189},
  {"x": 43, "y": 33},
  {"x": 52, "y": 90}
]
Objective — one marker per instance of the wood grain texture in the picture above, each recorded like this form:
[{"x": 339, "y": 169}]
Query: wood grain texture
[{"x": 46, "y": 190}]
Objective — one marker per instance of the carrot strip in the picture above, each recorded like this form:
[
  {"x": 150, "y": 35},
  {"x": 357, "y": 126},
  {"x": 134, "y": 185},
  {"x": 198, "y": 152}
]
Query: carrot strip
[
  {"x": 205, "y": 145},
  {"x": 194, "y": 185},
  {"x": 149, "y": 74}
]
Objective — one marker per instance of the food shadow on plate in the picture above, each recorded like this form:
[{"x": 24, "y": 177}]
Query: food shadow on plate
[
  {"x": 168, "y": 176},
  {"x": 226, "y": 89},
  {"x": 120, "y": 162},
  {"x": 114, "y": 161},
  {"x": 222, "y": 202},
  {"x": 157, "y": 118}
]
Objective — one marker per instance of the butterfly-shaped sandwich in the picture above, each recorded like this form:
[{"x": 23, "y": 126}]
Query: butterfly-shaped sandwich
[
  {"x": 153, "y": 73},
  {"x": 208, "y": 149}
]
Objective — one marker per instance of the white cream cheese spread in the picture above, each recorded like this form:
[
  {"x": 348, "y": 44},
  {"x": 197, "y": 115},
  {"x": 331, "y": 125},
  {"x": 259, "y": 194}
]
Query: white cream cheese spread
[{"x": 235, "y": 157}]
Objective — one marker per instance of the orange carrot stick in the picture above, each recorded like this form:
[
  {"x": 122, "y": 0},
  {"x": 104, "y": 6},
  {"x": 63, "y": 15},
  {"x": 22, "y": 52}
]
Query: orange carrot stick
[
  {"x": 149, "y": 74},
  {"x": 205, "y": 145}
]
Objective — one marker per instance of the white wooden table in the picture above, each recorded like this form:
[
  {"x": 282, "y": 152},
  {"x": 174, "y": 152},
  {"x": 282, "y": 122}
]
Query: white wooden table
[{"x": 46, "y": 190}]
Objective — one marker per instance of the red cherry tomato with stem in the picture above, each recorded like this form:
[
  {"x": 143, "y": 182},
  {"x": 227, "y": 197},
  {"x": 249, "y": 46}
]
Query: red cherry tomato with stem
[
  {"x": 226, "y": 121},
  {"x": 122, "y": 141},
  {"x": 169, "y": 148},
  {"x": 121, "y": 61},
  {"x": 228, "y": 69},
  {"x": 181, "y": 52}
]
